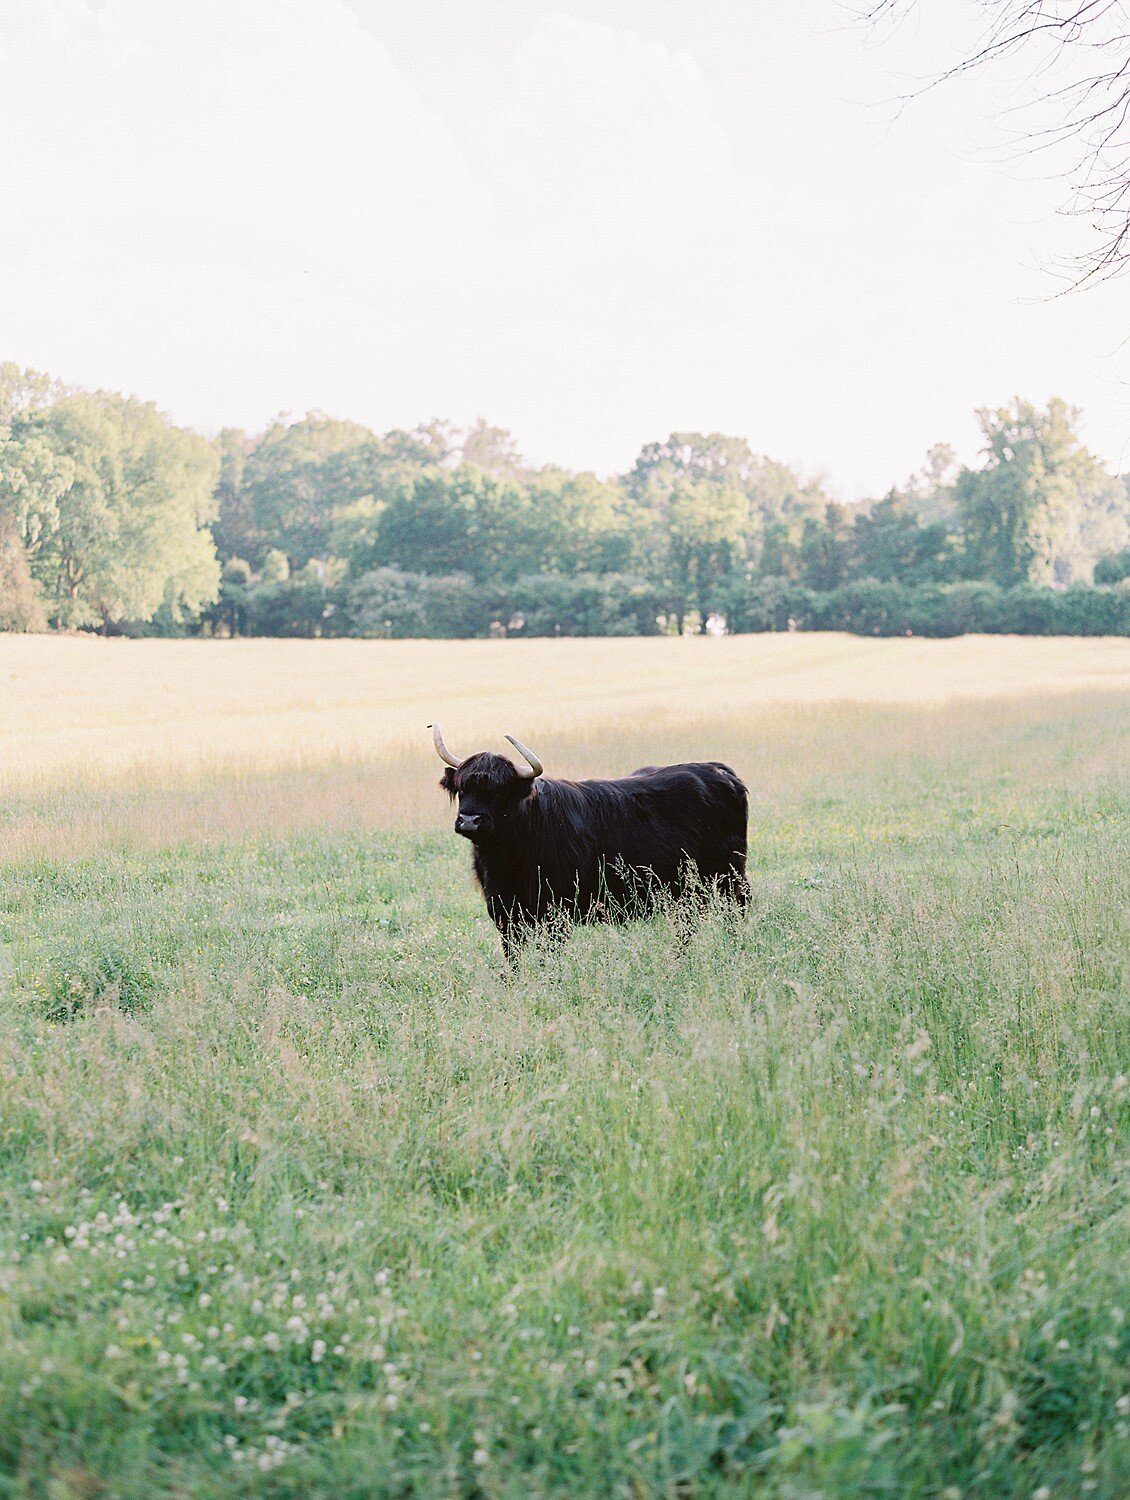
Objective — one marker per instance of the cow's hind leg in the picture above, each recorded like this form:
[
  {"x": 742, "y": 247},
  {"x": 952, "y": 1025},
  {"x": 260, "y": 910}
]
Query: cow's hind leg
[{"x": 733, "y": 886}]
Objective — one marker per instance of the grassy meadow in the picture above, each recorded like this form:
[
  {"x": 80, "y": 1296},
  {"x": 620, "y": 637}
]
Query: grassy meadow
[{"x": 303, "y": 1195}]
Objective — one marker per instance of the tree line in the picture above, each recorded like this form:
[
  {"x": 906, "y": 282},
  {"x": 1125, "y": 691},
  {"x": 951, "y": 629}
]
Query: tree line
[{"x": 112, "y": 518}]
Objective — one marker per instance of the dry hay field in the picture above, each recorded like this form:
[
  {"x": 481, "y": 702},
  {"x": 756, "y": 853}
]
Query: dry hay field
[{"x": 303, "y": 1195}]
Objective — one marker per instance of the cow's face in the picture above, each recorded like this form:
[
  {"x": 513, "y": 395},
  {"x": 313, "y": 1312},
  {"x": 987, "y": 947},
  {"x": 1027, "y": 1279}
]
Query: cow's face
[{"x": 488, "y": 791}]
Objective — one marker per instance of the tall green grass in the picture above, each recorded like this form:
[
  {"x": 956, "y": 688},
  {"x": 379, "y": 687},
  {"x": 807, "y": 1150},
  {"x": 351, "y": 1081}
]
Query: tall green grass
[{"x": 302, "y": 1194}]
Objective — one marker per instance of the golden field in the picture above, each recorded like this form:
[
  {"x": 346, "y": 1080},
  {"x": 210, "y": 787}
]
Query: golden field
[
  {"x": 145, "y": 743},
  {"x": 71, "y": 704}
]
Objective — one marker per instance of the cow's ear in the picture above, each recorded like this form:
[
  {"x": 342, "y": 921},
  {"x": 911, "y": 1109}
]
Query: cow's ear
[
  {"x": 447, "y": 781},
  {"x": 523, "y": 788}
]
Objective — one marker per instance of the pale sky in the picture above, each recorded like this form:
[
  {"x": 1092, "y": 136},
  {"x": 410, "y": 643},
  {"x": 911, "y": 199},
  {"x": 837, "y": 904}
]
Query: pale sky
[{"x": 592, "y": 221}]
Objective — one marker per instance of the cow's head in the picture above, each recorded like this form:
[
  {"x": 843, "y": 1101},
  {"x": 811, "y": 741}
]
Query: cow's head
[{"x": 487, "y": 787}]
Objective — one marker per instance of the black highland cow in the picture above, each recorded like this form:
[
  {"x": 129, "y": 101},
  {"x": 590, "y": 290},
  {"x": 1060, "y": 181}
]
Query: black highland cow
[{"x": 586, "y": 850}]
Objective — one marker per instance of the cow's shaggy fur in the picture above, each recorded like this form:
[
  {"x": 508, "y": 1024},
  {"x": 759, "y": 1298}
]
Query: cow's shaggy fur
[{"x": 585, "y": 850}]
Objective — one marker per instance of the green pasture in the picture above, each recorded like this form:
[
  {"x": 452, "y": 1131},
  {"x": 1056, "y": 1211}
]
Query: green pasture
[{"x": 303, "y": 1195}]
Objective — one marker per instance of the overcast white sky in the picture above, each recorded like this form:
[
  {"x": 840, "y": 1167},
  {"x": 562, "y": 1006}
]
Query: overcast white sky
[{"x": 593, "y": 221}]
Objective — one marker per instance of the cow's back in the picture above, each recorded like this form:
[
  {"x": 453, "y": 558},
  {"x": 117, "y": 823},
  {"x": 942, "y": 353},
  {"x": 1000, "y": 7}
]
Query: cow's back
[{"x": 622, "y": 838}]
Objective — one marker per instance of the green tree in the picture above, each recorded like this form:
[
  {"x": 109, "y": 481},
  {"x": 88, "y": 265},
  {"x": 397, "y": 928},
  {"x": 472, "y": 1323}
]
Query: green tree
[
  {"x": 444, "y": 521},
  {"x": 316, "y": 487},
  {"x": 826, "y": 548},
  {"x": 931, "y": 490},
  {"x": 780, "y": 507},
  {"x": 585, "y": 524},
  {"x": 300, "y": 476},
  {"x": 1042, "y": 508},
  {"x": 32, "y": 475},
  {"x": 131, "y": 531},
  {"x": 892, "y": 545},
  {"x": 32, "y": 478},
  {"x": 427, "y": 523},
  {"x": 692, "y": 491},
  {"x": 492, "y": 449},
  {"x": 234, "y": 530}
]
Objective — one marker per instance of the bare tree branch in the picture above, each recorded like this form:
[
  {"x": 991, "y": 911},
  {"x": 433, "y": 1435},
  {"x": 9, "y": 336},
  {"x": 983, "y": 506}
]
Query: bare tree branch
[{"x": 1094, "y": 109}]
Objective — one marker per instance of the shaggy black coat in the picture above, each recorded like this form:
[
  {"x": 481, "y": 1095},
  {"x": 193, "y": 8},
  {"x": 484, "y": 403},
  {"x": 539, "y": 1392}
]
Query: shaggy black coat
[{"x": 598, "y": 849}]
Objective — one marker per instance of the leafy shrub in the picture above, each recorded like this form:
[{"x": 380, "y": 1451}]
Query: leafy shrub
[
  {"x": 391, "y": 604},
  {"x": 589, "y": 604},
  {"x": 869, "y": 607},
  {"x": 1113, "y": 568}
]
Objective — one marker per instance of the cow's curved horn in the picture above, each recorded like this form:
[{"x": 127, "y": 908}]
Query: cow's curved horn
[
  {"x": 536, "y": 767},
  {"x": 441, "y": 749}
]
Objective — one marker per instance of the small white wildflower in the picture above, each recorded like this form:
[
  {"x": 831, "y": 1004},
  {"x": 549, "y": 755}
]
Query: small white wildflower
[
  {"x": 113, "y": 1352},
  {"x": 205, "y": 1299},
  {"x": 479, "y": 1457},
  {"x": 272, "y": 1342},
  {"x": 318, "y": 1351}
]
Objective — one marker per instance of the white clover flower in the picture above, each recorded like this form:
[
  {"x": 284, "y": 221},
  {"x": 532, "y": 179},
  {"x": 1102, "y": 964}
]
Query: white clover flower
[
  {"x": 318, "y": 1351},
  {"x": 113, "y": 1352}
]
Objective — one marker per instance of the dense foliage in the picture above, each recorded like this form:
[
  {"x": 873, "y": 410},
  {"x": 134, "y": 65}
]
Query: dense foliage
[{"x": 110, "y": 516}]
